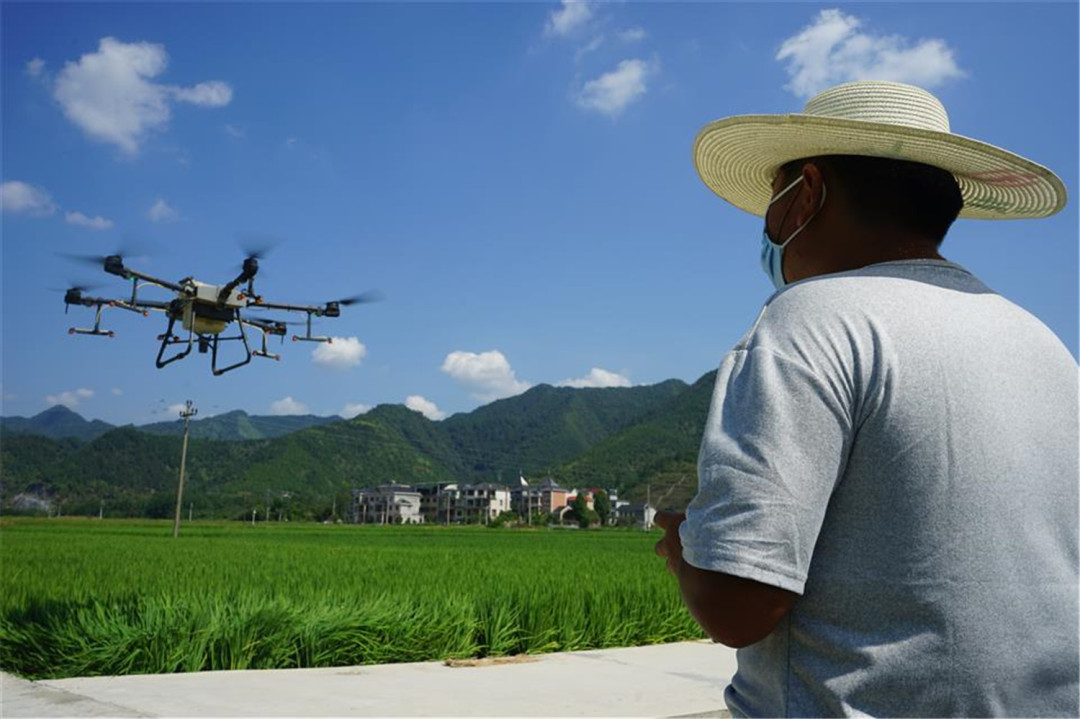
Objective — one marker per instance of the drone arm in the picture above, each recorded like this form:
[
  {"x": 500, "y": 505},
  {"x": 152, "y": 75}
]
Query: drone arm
[
  {"x": 287, "y": 308},
  {"x": 152, "y": 305},
  {"x": 152, "y": 280},
  {"x": 247, "y": 274}
]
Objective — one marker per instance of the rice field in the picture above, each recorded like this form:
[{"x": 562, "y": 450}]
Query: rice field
[{"x": 82, "y": 597}]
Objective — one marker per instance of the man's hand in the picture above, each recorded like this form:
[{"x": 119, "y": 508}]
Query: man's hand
[
  {"x": 732, "y": 610},
  {"x": 670, "y": 547}
]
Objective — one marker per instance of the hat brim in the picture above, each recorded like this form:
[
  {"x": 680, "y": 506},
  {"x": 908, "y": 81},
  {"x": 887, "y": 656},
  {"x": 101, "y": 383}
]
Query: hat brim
[{"x": 738, "y": 157}]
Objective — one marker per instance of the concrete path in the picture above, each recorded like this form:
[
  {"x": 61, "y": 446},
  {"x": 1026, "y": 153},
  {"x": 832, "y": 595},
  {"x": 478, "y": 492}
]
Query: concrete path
[{"x": 669, "y": 680}]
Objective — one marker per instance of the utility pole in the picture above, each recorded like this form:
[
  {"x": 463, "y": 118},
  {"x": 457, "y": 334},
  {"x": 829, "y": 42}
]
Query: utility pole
[
  {"x": 101, "y": 509},
  {"x": 648, "y": 502},
  {"x": 187, "y": 413},
  {"x": 190, "y": 508}
]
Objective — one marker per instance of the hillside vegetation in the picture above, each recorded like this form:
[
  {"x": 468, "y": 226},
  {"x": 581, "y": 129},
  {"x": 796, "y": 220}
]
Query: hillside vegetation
[{"x": 633, "y": 439}]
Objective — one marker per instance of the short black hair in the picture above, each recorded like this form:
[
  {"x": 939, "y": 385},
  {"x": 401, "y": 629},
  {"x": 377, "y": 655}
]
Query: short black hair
[{"x": 886, "y": 192}]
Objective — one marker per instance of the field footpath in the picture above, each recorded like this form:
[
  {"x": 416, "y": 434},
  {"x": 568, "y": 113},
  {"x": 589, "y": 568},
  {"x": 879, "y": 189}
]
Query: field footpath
[{"x": 685, "y": 679}]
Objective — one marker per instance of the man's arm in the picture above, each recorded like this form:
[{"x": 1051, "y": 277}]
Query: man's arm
[{"x": 733, "y": 611}]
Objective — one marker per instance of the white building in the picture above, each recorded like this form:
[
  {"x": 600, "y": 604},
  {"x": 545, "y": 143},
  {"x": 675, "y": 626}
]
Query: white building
[
  {"x": 464, "y": 503},
  {"x": 481, "y": 502},
  {"x": 386, "y": 504},
  {"x": 544, "y": 498},
  {"x": 638, "y": 514}
]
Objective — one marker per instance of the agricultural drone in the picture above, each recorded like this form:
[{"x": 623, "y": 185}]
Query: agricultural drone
[{"x": 204, "y": 311}]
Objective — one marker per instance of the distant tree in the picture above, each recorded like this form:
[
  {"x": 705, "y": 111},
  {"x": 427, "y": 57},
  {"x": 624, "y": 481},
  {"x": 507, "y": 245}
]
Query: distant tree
[
  {"x": 602, "y": 505},
  {"x": 580, "y": 512},
  {"x": 160, "y": 506},
  {"x": 505, "y": 519}
]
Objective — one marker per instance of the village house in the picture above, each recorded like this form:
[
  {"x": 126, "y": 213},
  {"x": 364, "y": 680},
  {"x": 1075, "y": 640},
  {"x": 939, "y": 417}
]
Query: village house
[
  {"x": 453, "y": 503},
  {"x": 636, "y": 514},
  {"x": 544, "y": 498},
  {"x": 386, "y": 504}
]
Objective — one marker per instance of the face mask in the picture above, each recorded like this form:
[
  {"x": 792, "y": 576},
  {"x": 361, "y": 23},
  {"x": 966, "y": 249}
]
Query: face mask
[{"x": 772, "y": 254}]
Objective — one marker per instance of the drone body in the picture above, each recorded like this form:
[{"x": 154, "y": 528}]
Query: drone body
[{"x": 204, "y": 312}]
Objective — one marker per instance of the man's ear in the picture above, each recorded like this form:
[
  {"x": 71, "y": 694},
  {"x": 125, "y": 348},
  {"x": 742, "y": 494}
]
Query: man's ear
[{"x": 809, "y": 200}]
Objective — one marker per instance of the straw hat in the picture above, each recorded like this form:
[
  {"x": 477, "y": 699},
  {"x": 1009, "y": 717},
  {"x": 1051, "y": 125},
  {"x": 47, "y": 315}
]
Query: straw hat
[{"x": 737, "y": 157}]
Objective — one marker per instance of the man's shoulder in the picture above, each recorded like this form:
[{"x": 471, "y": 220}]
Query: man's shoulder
[
  {"x": 854, "y": 306},
  {"x": 887, "y": 284}
]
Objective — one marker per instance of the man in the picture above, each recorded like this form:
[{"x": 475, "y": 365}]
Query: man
[{"x": 886, "y": 521}]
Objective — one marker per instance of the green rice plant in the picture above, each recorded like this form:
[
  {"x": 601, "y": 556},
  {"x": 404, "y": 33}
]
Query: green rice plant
[{"x": 82, "y": 598}]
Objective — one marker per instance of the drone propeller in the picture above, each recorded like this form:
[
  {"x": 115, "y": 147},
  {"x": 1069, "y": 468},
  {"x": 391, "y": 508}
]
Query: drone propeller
[
  {"x": 112, "y": 263},
  {"x": 75, "y": 287},
  {"x": 129, "y": 248},
  {"x": 257, "y": 247},
  {"x": 93, "y": 260},
  {"x": 362, "y": 298}
]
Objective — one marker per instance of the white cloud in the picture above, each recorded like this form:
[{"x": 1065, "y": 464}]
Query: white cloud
[
  {"x": 16, "y": 196},
  {"x": 117, "y": 391},
  {"x": 425, "y": 407},
  {"x": 35, "y": 67},
  {"x": 353, "y": 409},
  {"x": 342, "y": 353},
  {"x": 592, "y": 46},
  {"x": 288, "y": 405},
  {"x": 70, "y": 398},
  {"x": 597, "y": 377},
  {"x": 205, "y": 94},
  {"x": 831, "y": 50},
  {"x": 160, "y": 211},
  {"x": 173, "y": 410},
  {"x": 238, "y": 132},
  {"x": 109, "y": 94},
  {"x": 612, "y": 92},
  {"x": 572, "y": 15},
  {"x": 94, "y": 223},
  {"x": 488, "y": 374},
  {"x": 634, "y": 34}
]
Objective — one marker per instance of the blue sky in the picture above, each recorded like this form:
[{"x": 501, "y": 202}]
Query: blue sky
[{"x": 515, "y": 178}]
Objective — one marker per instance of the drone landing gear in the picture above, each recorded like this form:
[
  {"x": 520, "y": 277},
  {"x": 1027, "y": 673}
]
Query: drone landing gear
[
  {"x": 215, "y": 339},
  {"x": 206, "y": 343},
  {"x": 170, "y": 339}
]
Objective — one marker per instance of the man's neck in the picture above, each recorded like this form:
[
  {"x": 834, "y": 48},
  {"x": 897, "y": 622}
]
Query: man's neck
[{"x": 872, "y": 248}]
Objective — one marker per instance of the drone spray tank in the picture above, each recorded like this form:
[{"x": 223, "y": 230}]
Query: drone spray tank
[{"x": 209, "y": 313}]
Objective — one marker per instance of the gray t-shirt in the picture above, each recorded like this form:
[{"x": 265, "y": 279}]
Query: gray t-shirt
[{"x": 898, "y": 444}]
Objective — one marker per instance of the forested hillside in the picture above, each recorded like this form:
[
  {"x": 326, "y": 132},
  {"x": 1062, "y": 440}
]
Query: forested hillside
[{"x": 614, "y": 437}]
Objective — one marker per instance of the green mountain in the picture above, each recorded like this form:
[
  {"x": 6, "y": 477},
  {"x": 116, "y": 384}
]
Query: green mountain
[
  {"x": 135, "y": 473},
  {"x": 547, "y": 428},
  {"x": 238, "y": 425},
  {"x": 656, "y": 458},
  {"x": 57, "y": 422}
]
